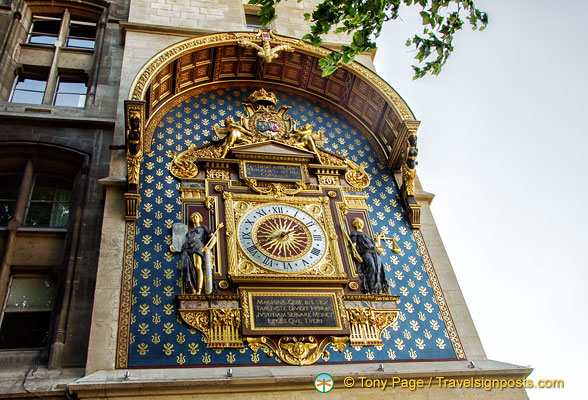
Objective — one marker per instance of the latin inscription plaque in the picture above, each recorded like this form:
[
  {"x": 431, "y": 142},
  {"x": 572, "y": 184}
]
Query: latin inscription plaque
[
  {"x": 285, "y": 311},
  {"x": 294, "y": 312},
  {"x": 279, "y": 172}
]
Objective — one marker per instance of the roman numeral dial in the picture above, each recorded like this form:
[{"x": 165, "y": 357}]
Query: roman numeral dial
[{"x": 282, "y": 238}]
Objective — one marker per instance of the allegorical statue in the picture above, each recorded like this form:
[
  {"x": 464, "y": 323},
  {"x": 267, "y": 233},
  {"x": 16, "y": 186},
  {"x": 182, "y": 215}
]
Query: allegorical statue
[
  {"x": 232, "y": 134},
  {"x": 367, "y": 252},
  {"x": 409, "y": 168},
  {"x": 196, "y": 260},
  {"x": 303, "y": 138}
]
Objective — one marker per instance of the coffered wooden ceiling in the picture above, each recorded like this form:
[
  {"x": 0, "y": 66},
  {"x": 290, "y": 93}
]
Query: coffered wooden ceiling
[{"x": 354, "y": 90}]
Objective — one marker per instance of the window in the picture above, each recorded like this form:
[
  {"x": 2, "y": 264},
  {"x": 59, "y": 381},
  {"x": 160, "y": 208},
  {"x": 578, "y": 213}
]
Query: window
[
  {"x": 70, "y": 93},
  {"x": 44, "y": 30},
  {"x": 36, "y": 191},
  {"x": 27, "y": 312},
  {"x": 30, "y": 86},
  {"x": 29, "y": 90},
  {"x": 8, "y": 193},
  {"x": 81, "y": 35},
  {"x": 49, "y": 205},
  {"x": 252, "y": 20}
]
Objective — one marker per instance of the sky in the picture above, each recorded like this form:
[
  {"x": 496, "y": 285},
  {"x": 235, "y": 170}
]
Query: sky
[{"x": 503, "y": 145}]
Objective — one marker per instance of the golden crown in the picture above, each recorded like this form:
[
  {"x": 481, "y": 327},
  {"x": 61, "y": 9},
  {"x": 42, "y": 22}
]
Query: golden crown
[{"x": 262, "y": 95}]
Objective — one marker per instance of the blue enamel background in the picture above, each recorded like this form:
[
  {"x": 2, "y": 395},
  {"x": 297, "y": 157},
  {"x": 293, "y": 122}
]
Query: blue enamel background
[{"x": 159, "y": 338}]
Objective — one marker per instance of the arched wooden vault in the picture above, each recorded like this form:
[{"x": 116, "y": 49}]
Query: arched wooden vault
[{"x": 223, "y": 60}]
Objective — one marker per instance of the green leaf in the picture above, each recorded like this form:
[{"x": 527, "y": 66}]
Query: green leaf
[{"x": 363, "y": 19}]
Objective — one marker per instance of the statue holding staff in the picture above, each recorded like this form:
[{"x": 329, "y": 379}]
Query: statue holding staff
[
  {"x": 367, "y": 253},
  {"x": 196, "y": 258}
]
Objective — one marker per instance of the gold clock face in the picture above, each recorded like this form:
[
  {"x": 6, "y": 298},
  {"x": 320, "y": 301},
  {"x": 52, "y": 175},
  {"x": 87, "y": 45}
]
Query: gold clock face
[{"x": 282, "y": 238}]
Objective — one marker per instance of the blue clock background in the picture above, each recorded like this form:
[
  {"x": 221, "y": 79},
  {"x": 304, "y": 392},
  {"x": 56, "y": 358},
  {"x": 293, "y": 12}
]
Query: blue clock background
[{"x": 159, "y": 338}]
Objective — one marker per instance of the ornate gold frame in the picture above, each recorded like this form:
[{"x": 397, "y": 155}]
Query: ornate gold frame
[
  {"x": 336, "y": 294},
  {"x": 242, "y": 269}
]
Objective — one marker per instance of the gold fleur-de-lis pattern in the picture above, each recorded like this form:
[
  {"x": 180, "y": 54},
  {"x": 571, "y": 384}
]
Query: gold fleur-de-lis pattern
[{"x": 159, "y": 338}]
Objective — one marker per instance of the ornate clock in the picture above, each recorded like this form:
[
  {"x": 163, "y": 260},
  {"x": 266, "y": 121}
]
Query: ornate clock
[
  {"x": 282, "y": 238},
  {"x": 283, "y": 264},
  {"x": 292, "y": 238}
]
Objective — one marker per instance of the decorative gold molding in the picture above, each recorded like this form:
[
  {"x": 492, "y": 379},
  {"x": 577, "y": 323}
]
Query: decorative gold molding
[
  {"x": 218, "y": 174},
  {"x": 192, "y": 194},
  {"x": 293, "y": 350},
  {"x": 124, "y": 319},
  {"x": 439, "y": 297},
  {"x": 328, "y": 180}
]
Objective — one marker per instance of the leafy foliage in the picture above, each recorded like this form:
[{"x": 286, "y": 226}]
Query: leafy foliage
[{"x": 363, "y": 19}]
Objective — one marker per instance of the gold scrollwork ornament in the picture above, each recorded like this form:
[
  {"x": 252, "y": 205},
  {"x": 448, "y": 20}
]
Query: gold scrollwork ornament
[
  {"x": 294, "y": 350},
  {"x": 265, "y": 51},
  {"x": 134, "y": 168},
  {"x": 183, "y": 164},
  {"x": 277, "y": 190},
  {"x": 356, "y": 175}
]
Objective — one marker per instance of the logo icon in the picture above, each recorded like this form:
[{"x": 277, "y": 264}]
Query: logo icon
[{"x": 323, "y": 383}]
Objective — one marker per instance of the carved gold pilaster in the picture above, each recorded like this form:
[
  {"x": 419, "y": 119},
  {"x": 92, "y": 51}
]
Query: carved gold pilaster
[
  {"x": 132, "y": 201},
  {"x": 294, "y": 350},
  {"x": 225, "y": 328},
  {"x": 413, "y": 212},
  {"x": 230, "y": 233},
  {"x": 134, "y": 168}
]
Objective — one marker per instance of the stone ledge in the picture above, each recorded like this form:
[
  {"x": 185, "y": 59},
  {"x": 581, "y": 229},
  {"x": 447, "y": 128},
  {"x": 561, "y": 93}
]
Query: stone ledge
[
  {"x": 254, "y": 378},
  {"x": 57, "y": 120}
]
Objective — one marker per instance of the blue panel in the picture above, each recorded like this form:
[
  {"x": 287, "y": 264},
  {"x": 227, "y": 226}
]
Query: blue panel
[{"x": 159, "y": 338}]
